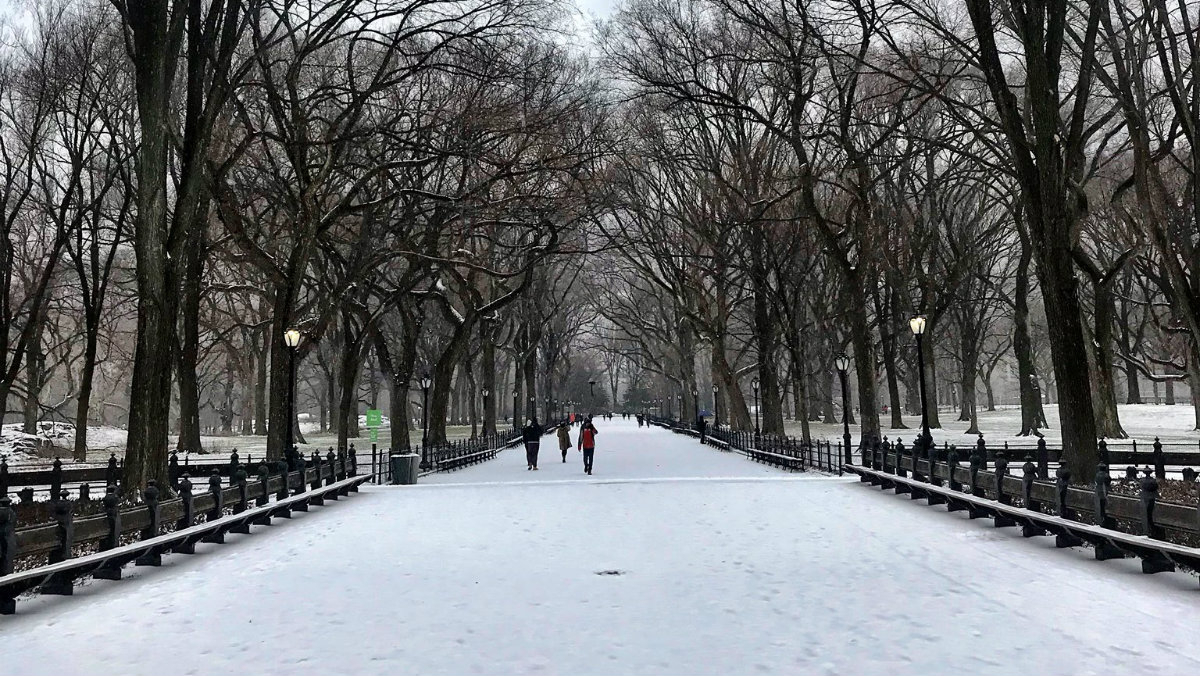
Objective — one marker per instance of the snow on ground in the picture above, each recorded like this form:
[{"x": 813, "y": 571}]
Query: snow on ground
[
  {"x": 672, "y": 559},
  {"x": 1143, "y": 422}
]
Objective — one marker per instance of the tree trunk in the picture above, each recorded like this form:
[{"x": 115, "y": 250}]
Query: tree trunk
[
  {"x": 931, "y": 392},
  {"x": 247, "y": 392},
  {"x": 1107, "y": 420},
  {"x": 970, "y": 372},
  {"x": 737, "y": 413},
  {"x": 1133, "y": 390},
  {"x": 1033, "y": 416},
  {"x": 263, "y": 356},
  {"x": 864, "y": 361},
  {"x": 35, "y": 376},
  {"x": 189, "y": 341},
  {"x": 84, "y": 402},
  {"x": 488, "y": 376}
]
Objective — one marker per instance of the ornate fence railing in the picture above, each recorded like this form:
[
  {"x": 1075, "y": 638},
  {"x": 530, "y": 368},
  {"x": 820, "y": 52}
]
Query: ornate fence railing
[
  {"x": 99, "y": 545},
  {"x": 779, "y": 450},
  {"x": 1162, "y": 534}
]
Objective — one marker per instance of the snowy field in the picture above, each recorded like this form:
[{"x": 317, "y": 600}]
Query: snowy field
[
  {"x": 672, "y": 558},
  {"x": 1143, "y": 422}
]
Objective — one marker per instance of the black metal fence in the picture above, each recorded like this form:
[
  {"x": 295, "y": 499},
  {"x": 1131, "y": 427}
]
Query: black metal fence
[
  {"x": 158, "y": 525},
  {"x": 1162, "y": 534},
  {"x": 451, "y": 455},
  {"x": 779, "y": 450},
  {"x": 1157, "y": 455}
]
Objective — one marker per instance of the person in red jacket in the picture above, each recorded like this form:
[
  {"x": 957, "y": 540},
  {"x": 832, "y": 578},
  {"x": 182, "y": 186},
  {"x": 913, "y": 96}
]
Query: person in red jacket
[{"x": 587, "y": 441}]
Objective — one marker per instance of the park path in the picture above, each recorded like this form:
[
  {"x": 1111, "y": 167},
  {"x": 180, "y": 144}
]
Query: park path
[{"x": 673, "y": 558}]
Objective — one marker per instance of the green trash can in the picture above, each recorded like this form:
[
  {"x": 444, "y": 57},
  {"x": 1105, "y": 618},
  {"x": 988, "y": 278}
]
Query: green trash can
[{"x": 404, "y": 468}]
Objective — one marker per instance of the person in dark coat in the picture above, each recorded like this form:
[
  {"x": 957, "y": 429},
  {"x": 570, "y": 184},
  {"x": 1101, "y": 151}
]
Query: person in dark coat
[
  {"x": 531, "y": 434},
  {"x": 564, "y": 440},
  {"x": 701, "y": 427},
  {"x": 587, "y": 441}
]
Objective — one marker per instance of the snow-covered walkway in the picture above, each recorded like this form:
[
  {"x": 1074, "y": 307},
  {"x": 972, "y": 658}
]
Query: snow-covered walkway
[{"x": 672, "y": 558}]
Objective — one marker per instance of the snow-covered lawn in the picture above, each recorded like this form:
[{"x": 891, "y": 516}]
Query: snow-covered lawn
[
  {"x": 1143, "y": 422},
  {"x": 103, "y": 441},
  {"x": 672, "y": 559}
]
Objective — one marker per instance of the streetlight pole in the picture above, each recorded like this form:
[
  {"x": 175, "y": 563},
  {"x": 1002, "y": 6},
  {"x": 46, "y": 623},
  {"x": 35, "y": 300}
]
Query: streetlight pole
[
  {"x": 591, "y": 397},
  {"x": 291, "y": 338},
  {"x": 486, "y": 411},
  {"x": 516, "y": 409},
  {"x": 425, "y": 383},
  {"x": 696, "y": 403},
  {"x": 917, "y": 324},
  {"x": 754, "y": 386},
  {"x": 716, "y": 409},
  {"x": 843, "y": 364}
]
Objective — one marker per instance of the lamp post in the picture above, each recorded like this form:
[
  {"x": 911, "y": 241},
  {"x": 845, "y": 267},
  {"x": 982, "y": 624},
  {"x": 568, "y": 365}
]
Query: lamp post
[
  {"x": 425, "y": 383},
  {"x": 917, "y": 324},
  {"x": 516, "y": 408},
  {"x": 754, "y": 386},
  {"x": 291, "y": 338},
  {"x": 591, "y": 397},
  {"x": 696, "y": 403},
  {"x": 716, "y": 409},
  {"x": 486, "y": 410},
  {"x": 843, "y": 364}
]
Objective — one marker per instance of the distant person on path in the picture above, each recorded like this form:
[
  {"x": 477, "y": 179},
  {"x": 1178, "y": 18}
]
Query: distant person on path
[
  {"x": 532, "y": 435},
  {"x": 587, "y": 441},
  {"x": 702, "y": 427},
  {"x": 639, "y": 419},
  {"x": 564, "y": 440}
]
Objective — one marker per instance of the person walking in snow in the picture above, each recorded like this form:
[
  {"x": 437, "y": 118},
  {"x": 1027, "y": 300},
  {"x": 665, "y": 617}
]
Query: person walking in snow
[
  {"x": 564, "y": 440},
  {"x": 587, "y": 441},
  {"x": 532, "y": 435}
]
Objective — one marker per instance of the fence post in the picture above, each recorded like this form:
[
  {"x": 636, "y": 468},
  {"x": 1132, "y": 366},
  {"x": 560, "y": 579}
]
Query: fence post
[
  {"x": 110, "y": 474},
  {"x": 1000, "y": 473},
  {"x": 218, "y": 509},
  {"x": 342, "y": 468},
  {"x": 317, "y": 471},
  {"x": 353, "y": 471},
  {"x": 1102, "y": 450},
  {"x": 1043, "y": 459},
  {"x": 189, "y": 514},
  {"x": 284, "y": 511},
  {"x": 1155, "y": 562},
  {"x": 56, "y": 479},
  {"x": 900, "y": 471},
  {"x": 8, "y": 540},
  {"x": 173, "y": 469},
  {"x": 1160, "y": 468},
  {"x": 64, "y": 529},
  {"x": 64, "y": 525},
  {"x": 1104, "y": 550},
  {"x": 264, "y": 486},
  {"x": 1028, "y": 474},
  {"x": 331, "y": 460},
  {"x": 1062, "y": 483},
  {"x": 951, "y": 468},
  {"x": 242, "y": 481},
  {"x": 152, "y": 557},
  {"x": 301, "y": 485}
]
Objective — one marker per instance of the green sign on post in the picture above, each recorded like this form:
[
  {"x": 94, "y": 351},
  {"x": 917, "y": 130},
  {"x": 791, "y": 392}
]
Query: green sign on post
[
  {"x": 374, "y": 417},
  {"x": 374, "y": 435}
]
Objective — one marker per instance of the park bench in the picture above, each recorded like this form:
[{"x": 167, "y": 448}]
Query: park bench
[
  {"x": 984, "y": 494},
  {"x": 63, "y": 569}
]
